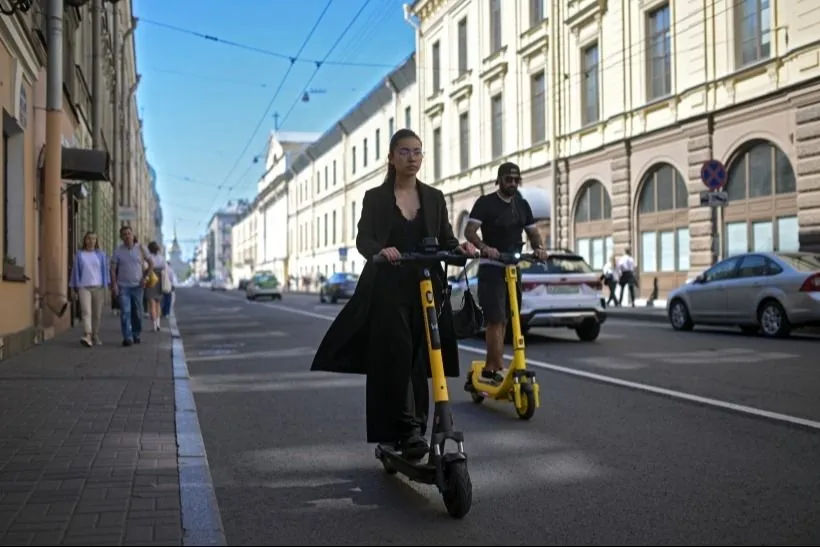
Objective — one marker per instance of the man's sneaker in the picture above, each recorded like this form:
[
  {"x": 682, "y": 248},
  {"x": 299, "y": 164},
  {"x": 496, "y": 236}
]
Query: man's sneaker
[
  {"x": 494, "y": 377},
  {"x": 127, "y": 342}
]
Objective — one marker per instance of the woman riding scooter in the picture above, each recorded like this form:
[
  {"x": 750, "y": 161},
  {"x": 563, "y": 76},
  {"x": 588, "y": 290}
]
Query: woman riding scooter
[{"x": 380, "y": 332}]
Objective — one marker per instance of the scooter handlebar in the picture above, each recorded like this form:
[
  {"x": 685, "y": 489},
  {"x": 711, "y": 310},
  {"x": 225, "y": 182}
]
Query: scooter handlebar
[
  {"x": 515, "y": 258},
  {"x": 449, "y": 257}
]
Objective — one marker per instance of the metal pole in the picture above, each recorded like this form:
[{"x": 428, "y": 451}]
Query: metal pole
[
  {"x": 53, "y": 237},
  {"x": 116, "y": 138},
  {"x": 96, "y": 104}
]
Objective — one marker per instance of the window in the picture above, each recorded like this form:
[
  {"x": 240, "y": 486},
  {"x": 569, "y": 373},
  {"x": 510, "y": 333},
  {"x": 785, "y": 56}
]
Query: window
[
  {"x": 591, "y": 111},
  {"x": 593, "y": 204},
  {"x": 659, "y": 54},
  {"x": 353, "y": 220},
  {"x": 326, "y": 242},
  {"x": 326, "y": 177},
  {"x": 538, "y": 108},
  {"x": 464, "y": 140},
  {"x": 334, "y": 227},
  {"x": 334, "y": 172},
  {"x": 391, "y": 127},
  {"x": 497, "y": 126},
  {"x": 436, "y": 55},
  {"x": 722, "y": 270},
  {"x": 536, "y": 12},
  {"x": 752, "y": 30},
  {"x": 463, "y": 65},
  {"x": 353, "y": 161},
  {"x": 14, "y": 202},
  {"x": 663, "y": 189},
  {"x": 596, "y": 251},
  {"x": 780, "y": 234},
  {"x": 495, "y": 25},
  {"x": 761, "y": 171},
  {"x": 408, "y": 121},
  {"x": 378, "y": 143},
  {"x": 364, "y": 153},
  {"x": 437, "y": 154},
  {"x": 319, "y": 179}
]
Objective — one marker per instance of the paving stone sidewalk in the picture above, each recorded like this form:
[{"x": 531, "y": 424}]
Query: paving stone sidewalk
[{"x": 88, "y": 449}]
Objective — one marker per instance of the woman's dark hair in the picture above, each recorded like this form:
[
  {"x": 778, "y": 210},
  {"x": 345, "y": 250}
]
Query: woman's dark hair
[
  {"x": 399, "y": 135},
  {"x": 96, "y": 243},
  {"x": 153, "y": 247}
]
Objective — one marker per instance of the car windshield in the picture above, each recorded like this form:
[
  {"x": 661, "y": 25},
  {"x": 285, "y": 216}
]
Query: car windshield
[
  {"x": 802, "y": 262},
  {"x": 557, "y": 264},
  {"x": 265, "y": 278}
]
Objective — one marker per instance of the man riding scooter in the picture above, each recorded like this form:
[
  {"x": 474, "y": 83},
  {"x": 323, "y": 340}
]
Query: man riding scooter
[{"x": 501, "y": 216}]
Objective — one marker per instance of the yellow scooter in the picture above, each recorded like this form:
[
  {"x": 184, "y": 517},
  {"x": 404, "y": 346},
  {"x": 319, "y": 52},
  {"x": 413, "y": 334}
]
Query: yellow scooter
[
  {"x": 446, "y": 469},
  {"x": 519, "y": 385}
]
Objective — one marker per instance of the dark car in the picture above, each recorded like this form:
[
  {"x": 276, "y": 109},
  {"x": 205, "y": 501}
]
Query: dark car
[{"x": 338, "y": 286}]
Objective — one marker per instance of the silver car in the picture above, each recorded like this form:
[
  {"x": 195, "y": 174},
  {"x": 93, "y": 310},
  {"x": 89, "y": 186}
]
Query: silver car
[{"x": 772, "y": 292}]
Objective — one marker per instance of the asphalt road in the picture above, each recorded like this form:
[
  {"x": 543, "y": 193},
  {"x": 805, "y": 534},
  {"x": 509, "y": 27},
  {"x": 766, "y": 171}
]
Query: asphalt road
[{"x": 607, "y": 459}]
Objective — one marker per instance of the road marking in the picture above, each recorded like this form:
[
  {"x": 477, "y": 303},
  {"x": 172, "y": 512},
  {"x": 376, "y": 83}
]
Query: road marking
[{"x": 717, "y": 403}]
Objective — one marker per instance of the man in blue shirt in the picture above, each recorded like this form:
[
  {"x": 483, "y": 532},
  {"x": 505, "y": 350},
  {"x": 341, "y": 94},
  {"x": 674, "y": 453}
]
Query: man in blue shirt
[{"x": 127, "y": 281}]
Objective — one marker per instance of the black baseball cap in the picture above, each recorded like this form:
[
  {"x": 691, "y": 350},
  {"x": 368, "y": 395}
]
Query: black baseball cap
[{"x": 508, "y": 169}]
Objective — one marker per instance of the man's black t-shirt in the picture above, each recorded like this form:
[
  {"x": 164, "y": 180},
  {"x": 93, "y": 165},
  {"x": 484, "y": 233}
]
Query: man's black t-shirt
[{"x": 502, "y": 222}]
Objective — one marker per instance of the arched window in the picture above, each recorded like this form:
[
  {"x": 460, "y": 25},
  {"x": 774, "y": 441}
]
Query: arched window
[
  {"x": 663, "y": 225},
  {"x": 593, "y": 224},
  {"x": 762, "y": 210}
]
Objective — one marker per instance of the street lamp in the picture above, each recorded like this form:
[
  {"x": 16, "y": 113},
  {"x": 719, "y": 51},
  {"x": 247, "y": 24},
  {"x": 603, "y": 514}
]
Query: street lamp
[{"x": 16, "y": 5}]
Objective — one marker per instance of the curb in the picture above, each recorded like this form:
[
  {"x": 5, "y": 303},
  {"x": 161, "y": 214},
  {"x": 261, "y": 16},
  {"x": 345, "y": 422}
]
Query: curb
[
  {"x": 201, "y": 519},
  {"x": 646, "y": 316}
]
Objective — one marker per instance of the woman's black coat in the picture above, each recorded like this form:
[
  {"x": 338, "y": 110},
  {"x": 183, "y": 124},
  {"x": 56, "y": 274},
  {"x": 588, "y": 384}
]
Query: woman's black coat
[{"x": 344, "y": 347}]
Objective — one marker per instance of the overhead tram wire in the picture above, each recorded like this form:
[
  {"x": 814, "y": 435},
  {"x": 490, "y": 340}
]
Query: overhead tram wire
[
  {"x": 319, "y": 64},
  {"x": 270, "y": 104}
]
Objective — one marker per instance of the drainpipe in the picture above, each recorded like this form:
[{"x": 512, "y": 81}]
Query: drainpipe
[
  {"x": 52, "y": 207},
  {"x": 115, "y": 132},
  {"x": 96, "y": 104}
]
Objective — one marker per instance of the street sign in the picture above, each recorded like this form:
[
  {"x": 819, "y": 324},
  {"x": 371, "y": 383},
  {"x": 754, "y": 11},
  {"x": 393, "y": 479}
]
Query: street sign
[
  {"x": 342, "y": 254},
  {"x": 127, "y": 214},
  {"x": 713, "y": 174},
  {"x": 714, "y": 199}
]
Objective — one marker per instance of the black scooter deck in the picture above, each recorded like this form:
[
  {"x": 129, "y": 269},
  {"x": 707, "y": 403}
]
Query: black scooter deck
[{"x": 415, "y": 471}]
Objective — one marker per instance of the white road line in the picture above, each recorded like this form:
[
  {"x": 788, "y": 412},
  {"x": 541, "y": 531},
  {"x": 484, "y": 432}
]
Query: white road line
[{"x": 717, "y": 403}]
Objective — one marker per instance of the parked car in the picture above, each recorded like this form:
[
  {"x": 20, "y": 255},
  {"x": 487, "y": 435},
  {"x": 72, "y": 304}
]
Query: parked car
[
  {"x": 220, "y": 284},
  {"x": 339, "y": 286},
  {"x": 772, "y": 292},
  {"x": 563, "y": 292},
  {"x": 263, "y": 284}
]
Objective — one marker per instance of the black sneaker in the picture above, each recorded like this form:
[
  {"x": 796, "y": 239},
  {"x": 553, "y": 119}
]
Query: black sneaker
[
  {"x": 137, "y": 340},
  {"x": 127, "y": 342},
  {"x": 492, "y": 377},
  {"x": 414, "y": 448}
]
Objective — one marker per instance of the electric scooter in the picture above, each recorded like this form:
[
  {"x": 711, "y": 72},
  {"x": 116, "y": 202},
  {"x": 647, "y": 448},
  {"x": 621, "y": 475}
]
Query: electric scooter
[
  {"x": 447, "y": 470},
  {"x": 519, "y": 385}
]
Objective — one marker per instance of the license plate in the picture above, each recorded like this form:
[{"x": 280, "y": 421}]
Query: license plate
[{"x": 563, "y": 289}]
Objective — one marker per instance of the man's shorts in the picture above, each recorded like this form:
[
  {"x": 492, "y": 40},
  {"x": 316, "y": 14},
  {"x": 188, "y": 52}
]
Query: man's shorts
[{"x": 492, "y": 293}]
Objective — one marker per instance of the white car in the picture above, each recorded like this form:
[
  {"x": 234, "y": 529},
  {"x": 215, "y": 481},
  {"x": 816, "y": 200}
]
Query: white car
[
  {"x": 564, "y": 292},
  {"x": 220, "y": 284}
]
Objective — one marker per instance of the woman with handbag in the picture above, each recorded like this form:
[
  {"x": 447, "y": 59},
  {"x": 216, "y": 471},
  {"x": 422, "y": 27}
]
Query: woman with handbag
[
  {"x": 154, "y": 293},
  {"x": 89, "y": 280}
]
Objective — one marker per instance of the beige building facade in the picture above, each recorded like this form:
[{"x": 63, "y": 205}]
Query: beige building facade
[{"x": 612, "y": 108}]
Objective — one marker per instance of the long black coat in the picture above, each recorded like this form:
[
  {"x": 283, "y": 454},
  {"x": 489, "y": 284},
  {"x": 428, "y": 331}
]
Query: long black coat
[{"x": 344, "y": 347}]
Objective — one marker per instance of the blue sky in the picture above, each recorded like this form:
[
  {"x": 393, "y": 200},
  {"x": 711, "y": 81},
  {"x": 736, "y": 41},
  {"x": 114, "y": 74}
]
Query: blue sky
[{"x": 201, "y": 99}]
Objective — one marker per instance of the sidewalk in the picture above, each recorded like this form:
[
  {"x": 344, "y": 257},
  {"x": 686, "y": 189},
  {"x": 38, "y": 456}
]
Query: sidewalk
[{"x": 89, "y": 444}]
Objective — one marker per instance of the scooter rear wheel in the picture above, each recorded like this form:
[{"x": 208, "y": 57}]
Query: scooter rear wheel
[{"x": 458, "y": 492}]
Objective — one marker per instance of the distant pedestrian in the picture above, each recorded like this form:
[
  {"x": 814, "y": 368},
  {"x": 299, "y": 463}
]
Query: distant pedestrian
[{"x": 89, "y": 281}]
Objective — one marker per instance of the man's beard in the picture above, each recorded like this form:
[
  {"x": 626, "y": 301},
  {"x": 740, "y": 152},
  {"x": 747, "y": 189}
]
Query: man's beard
[{"x": 509, "y": 191}]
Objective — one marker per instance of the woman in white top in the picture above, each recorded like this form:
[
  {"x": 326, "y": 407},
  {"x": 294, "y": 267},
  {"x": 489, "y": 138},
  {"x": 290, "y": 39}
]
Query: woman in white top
[
  {"x": 89, "y": 280},
  {"x": 154, "y": 294}
]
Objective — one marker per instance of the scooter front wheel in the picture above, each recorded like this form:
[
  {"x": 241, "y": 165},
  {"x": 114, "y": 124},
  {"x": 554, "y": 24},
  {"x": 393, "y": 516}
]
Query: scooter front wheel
[
  {"x": 458, "y": 492},
  {"x": 527, "y": 408}
]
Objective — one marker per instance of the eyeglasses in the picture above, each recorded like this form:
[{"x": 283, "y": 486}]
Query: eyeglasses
[{"x": 407, "y": 152}]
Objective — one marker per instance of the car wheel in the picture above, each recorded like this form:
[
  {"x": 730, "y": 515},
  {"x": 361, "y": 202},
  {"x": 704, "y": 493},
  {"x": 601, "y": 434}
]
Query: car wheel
[
  {"x": 773, "y": 319},
  {"x": 679, "y": 316},
  {"x": 589, "y": 330}
]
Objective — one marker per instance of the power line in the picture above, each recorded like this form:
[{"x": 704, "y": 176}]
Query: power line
[
  {"x": 269, "y": 53},
  {"x": 319, "y": 64},
  {"x": 270, "y": 104}
]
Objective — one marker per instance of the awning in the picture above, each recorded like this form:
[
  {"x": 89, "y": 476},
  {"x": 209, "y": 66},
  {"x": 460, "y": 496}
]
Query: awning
[
  {"x": 84, "y": 164},
  {"x": 539, "y": 200}
]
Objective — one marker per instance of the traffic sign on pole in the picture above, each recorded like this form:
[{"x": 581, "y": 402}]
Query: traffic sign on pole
[{"x": 713, "y": 174}]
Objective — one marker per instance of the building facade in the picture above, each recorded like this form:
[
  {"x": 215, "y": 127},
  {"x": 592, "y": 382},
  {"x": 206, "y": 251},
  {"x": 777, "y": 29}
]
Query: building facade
[
  {"x": 32, "y": 309},
  {"x": 613, "y": 107},
  {"x": 219, "y": 248}
]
